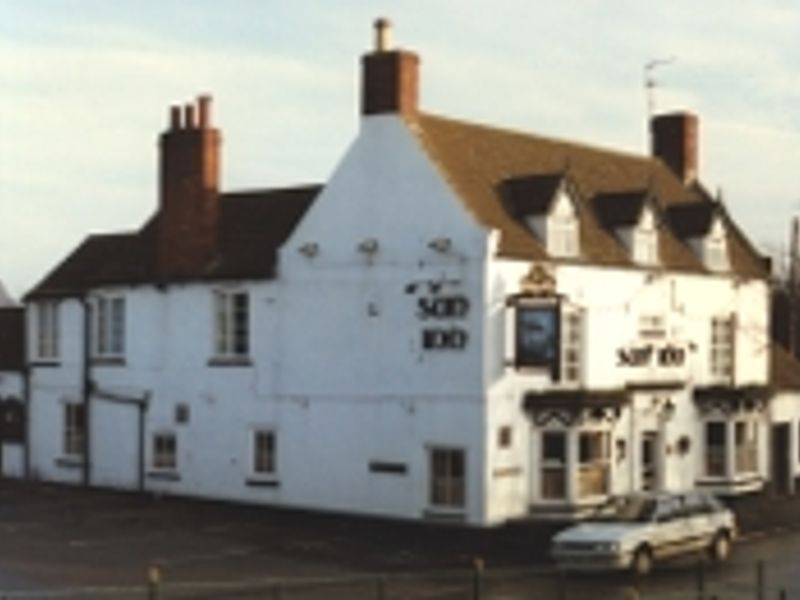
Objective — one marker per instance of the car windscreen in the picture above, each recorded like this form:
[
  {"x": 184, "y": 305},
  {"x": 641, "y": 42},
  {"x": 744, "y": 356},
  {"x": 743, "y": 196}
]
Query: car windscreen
[{"x": 627, "y": 509}]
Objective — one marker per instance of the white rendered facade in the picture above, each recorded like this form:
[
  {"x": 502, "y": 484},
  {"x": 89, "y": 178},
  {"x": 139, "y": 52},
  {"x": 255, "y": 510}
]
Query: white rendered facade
[{"x": 380, "y": 368}]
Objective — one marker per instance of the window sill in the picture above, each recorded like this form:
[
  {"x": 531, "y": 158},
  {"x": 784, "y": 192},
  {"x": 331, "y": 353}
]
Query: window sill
[
  {"x": 230, "y": 361},
  {"x": 45, "y": 363},
  {"x": 259, "y": 482},
  {"x": 70, "y": 462},
  {"x": 164, "y": 475},
  {"x": 108, "y": 361}
]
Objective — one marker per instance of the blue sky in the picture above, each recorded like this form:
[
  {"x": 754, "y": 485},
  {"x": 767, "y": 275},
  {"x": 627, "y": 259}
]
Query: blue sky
[{"x": 85, "y": 86}]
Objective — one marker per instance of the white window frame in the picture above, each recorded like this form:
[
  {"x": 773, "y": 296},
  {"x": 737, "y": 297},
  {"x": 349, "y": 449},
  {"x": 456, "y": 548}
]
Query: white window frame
[
  {"x": 572, "y": 345},
  {"x": 46, "y": 330},
  {"x": 264, "y": 453},
  {"x": 715, "y": 248},
  {"x": 109, "y": 326},
  {"x": 722, "y": 347},
  {"x": 715, "y": 464},
  {"x": 447, "y": 490},
  {"x": 645, "y": 246},
  {"x": 552, "y": 469},
  {"x": 745, "y": 446},
  {"x": 231, "y": 324},
  {"x": 594, "y": 467},
  {"x": 74, "y": 432},
  {"x": 162, "y": 460},
  {"x": 562, "y": 236}
]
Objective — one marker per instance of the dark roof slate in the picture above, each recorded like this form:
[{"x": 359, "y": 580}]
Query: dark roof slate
[
  {"x": 476, "y": 160},
  {"x": 252, "y": 226},
  {"x": 620, "y": 209},
  {"x": 12, "y": 338},
  {"x": 530, "y": 195}
]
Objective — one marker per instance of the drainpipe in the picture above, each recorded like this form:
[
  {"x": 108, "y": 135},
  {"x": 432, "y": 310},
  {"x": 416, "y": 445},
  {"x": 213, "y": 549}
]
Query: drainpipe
[{"x": 86, "y": 389}]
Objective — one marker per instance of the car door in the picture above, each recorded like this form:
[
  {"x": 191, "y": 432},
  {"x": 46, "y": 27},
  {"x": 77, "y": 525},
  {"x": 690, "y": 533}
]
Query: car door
[
  {"x": 671, "y": 532},
  {"x": 702, "y": 520}
]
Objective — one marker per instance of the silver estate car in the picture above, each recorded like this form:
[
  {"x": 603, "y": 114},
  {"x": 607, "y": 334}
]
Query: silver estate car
[{"x": 633, "y": 532}]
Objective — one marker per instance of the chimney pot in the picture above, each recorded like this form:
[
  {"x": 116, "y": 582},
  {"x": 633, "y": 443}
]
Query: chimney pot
[
  {"x": 189, "y": 117},
  {"x": 383, "y": 35},
  {"x": 175, "y": 118},
  {"x": 204, "y": 111},
  {"x": 390, "y": 78}
]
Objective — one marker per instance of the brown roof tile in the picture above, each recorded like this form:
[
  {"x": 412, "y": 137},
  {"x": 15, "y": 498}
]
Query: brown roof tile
[
  {"x": 478, "y": 160},
  {"x": 252, "y": 226}
]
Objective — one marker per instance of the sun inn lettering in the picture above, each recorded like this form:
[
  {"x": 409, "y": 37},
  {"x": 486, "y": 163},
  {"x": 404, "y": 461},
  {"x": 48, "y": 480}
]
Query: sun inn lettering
[
  {"x": 443, "y": 308},
  {"x": 669, "y": 355}
]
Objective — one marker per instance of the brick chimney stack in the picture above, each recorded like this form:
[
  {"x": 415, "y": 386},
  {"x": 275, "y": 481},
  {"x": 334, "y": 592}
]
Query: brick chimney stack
[
  {"x": 390, "y": 81},
  {"x": 674, "y": 139},
  {"x": 189, "y": 191}
]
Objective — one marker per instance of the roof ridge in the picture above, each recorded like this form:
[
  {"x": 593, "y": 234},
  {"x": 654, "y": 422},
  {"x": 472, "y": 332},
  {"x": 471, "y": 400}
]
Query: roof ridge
[{"x": 507, "y": 130}]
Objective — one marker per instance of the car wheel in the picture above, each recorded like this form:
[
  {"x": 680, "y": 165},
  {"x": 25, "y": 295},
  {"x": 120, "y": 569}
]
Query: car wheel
[
  {"x": 720, "y": 548},
  {"x": 642, "y": 562}
]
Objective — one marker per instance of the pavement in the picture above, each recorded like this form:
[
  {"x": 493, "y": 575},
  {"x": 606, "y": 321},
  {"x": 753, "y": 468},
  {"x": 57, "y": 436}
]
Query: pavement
[{"x": 56, "y": 536}]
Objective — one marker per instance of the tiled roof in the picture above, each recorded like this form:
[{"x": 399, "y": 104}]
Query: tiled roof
[
  {"x": 252, "y": 226},
  {"x": 478, "y": 161},
  {"x": 784, "y": 369},
  {"x": 12, "y": 338}
]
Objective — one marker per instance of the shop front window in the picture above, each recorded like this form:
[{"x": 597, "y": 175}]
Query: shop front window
[
  {"x": 593, "y": 468},
  {"x": 716, "y": 447},
  {"x": 554, "y": 465}
]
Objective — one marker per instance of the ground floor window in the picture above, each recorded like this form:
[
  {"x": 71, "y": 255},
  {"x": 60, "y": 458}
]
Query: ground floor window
[
  {"x": 447, "y": 477},
  {"x": 593, "y": 468},
  {"x": 264, "y": 450},
  {"x": 739, "y": 438},
  {"x": 74, "y": 429},
  {"x": 746, "y": 450},
  {"x": 165, "y": 450},
  {"x": 716, "y": 448},
  {"x": 554, "y": 465}
]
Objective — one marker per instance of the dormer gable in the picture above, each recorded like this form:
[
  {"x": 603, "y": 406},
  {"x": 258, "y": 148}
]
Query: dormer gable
[
  {"x": 632, "y": 217},
  {"x": 703, "y": 226},
  {"x": 547, "y": 205}
]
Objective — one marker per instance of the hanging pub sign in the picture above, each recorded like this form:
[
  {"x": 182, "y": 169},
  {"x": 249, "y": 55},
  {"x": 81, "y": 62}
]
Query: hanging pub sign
[{"x": 537, "y": 339}]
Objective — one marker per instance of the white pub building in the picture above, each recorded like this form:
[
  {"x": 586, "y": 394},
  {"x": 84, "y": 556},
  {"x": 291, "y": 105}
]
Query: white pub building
[{"x": 463, "y": 323}]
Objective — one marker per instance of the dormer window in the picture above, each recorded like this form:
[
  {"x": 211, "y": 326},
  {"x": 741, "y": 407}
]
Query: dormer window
[
  {"x": 644, "y": 240},
  {"x": 715, "y": 248},
  {"x": 562, "y": 228},
  {"x": 546, "y": 205},
  {"x": 631, "y": 217}
]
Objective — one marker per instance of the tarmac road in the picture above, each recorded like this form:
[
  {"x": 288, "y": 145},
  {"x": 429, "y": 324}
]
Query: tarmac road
[{"x": 54, "y": 537}]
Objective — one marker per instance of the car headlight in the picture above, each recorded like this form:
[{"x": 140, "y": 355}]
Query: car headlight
[{"x": 608, "y": 547}]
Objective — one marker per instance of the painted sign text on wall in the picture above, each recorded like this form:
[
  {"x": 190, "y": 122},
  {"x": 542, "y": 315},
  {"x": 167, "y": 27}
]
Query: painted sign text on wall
[
  {"x": 669, "y": 355},
  {"x": 439, "y": 308}
]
